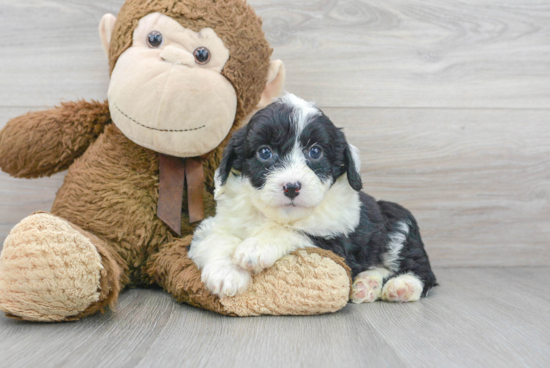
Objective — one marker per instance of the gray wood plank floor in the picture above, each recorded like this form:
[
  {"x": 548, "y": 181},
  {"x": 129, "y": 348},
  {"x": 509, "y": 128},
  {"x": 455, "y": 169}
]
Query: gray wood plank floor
[
  {"x": 449, "y": 102},
  {"x": 368, "y": 53},
  {"x": 490, "y": 317}
]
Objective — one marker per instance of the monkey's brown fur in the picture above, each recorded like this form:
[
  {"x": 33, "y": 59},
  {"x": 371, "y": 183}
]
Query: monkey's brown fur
[
  {"x": 110, "y": 192},
  {"x": 235, "y": 23},
  {"x": 44, "y": 143}
]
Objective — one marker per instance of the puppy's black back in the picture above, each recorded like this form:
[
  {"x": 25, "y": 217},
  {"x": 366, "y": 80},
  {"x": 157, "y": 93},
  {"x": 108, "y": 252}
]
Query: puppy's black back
[
  {"x": 413, "y": 256},
  {"x": 367, "y": 245}
]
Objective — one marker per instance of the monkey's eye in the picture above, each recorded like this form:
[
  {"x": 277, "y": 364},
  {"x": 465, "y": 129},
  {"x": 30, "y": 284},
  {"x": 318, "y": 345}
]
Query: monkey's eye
[
  {"x": 264, "y": 154},
  {"x": 315, "y": 152},
  {"x": 202, "y": 55},
  {"x": 154, "y": 39}
]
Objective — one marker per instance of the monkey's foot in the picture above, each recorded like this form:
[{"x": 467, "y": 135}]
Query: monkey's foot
[
  {"x": 50, "y": 271},
  {"x": 308, "y": 281}
]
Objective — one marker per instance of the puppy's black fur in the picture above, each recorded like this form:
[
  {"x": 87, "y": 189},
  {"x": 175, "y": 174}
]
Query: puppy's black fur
[
  {"x": 365, "y": 247},
  {"x": 380, "y": 221},
  {"x": 272, "y": 127}
]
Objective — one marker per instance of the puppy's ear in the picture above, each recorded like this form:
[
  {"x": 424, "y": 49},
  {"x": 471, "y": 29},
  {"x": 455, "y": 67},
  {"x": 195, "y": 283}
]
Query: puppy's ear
[
  {"x": 232, "y": 156},
  {"x": 353, "y": 163}
]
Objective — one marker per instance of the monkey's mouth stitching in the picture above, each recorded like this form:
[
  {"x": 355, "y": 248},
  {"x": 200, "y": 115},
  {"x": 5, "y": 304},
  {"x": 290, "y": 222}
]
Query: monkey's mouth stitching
[{"x": 160, "y": 130}]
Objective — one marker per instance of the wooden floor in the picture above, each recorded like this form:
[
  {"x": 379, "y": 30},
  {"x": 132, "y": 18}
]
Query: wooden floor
[
  {"x": 492, "y": 317},
  {"x": 449, "y": 103}
]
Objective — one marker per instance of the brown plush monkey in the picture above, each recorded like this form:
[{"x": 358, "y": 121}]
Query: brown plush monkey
[{"x": 184, "y": 74}]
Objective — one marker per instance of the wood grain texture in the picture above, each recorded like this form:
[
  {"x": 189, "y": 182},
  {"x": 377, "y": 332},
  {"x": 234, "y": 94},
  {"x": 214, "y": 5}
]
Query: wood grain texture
[
  {"x": 414, "y": 53},
  {"x": 478, "y": 181},
  {"x": 495, "y": 317},
  {"x": 369, "y": 53},
  {"x": 51, "y": 50}
]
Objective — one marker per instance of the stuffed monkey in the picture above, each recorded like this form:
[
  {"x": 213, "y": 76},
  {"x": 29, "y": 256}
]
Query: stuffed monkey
[{"x": 184, "y": 75}]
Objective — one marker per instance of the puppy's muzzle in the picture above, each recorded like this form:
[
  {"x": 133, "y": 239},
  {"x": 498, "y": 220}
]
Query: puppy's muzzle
[{"x": 292, "y": 190}]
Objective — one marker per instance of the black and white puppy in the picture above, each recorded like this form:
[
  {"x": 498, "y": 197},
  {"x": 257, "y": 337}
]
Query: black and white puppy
[{"x": 290, "y": 180}]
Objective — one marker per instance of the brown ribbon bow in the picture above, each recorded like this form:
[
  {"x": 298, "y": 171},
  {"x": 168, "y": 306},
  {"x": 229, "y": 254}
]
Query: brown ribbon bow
[{"x": 174, "y": 172}]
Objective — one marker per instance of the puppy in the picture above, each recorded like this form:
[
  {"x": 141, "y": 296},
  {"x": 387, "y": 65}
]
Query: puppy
[{"x": 289, "y": 180}]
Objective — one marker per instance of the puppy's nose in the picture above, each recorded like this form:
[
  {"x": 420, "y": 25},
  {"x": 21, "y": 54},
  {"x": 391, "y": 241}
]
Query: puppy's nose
[{"x": 292, "y": 189}]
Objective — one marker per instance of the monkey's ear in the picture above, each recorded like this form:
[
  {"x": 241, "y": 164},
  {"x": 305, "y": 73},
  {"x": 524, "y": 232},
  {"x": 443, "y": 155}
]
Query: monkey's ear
[
  {"x": 275, "y": 83},
  {"x": 106, "y": 27}
]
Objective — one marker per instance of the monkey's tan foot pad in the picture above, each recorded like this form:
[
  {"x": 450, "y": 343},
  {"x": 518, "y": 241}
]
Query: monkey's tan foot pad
[
  {"x": 49, "y": 271},
  {"x": 306, "y": 282}
]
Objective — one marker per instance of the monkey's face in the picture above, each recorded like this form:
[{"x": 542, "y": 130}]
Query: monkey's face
[{"x": 167, "y": 92}]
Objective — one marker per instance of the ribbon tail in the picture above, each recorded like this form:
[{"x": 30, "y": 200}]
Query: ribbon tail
[
  {"x": 194, "y": 175},
  {"x": 171, "y": 185}
]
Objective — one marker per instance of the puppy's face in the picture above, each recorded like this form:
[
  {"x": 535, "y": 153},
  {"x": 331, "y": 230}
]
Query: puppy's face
[{"x": 290, "y": 155}]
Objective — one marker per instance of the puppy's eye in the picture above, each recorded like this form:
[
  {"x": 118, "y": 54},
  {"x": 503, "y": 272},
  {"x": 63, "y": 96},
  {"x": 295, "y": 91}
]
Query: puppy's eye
[
  {"x": 264, "y": 154},
  {"x": 154, "y": 39},
  {"x": 202, "y": 55},
  {"x": 315, "y": 152}
]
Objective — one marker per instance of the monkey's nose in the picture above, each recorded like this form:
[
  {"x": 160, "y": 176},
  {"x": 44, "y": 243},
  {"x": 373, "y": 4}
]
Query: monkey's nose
[
  {"x": 177, "y": 56},
  {"x": 292, "y": 190}
]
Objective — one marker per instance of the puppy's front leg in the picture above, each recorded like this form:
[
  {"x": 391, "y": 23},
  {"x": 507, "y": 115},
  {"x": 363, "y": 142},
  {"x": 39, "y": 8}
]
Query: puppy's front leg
[
  {"x": 225, "y": 278},
  {"x": 212, "y": 254},
  {"x": 264, "y": 249}
]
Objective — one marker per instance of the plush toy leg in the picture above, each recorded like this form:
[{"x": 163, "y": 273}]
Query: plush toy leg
[
  {"x": 310, "y": 281},
  {"x": 51, "y": 270}
]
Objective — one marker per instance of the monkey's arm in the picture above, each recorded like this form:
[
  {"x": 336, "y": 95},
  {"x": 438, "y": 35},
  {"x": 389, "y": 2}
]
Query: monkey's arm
[{"x": 46, "y": 142}]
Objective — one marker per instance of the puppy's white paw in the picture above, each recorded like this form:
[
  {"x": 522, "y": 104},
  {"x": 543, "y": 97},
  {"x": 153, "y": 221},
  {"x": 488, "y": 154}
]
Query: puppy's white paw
[
  {"x": 225, "y": 279},
  {"x": 404, "y": 288},
  {"x": 254, "y": 255},
  {"x": 367, "y": 287}
]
